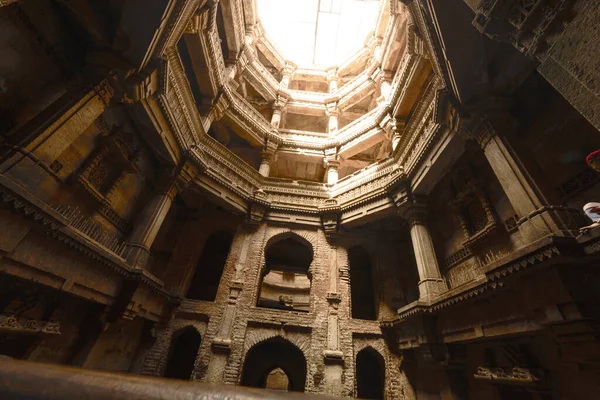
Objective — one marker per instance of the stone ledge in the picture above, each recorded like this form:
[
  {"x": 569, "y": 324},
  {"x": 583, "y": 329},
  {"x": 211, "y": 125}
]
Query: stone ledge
[
  {"x": 546, "y": 251},
  {"x": 333, "y": 357}
]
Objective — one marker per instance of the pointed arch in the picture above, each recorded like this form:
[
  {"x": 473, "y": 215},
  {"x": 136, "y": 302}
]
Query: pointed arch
[
  {"x": 270, "y": 354},
  {"x": 285, "y": 279},
  {"x": 185, "y": 344},
  {"x": 370, "y": 374}
]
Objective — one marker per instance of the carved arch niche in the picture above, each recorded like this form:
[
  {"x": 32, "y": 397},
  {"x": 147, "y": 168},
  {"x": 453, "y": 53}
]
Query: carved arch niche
[
  {"x": 370, "y": 374},
  {"x": 182, "y": 355},
  {"x": 285, "y": 282}
]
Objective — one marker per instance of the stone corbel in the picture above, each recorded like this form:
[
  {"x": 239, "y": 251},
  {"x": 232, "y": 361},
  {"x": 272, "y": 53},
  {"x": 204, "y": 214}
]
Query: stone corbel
[
  {"x": 399, "y": 127},
  {"x": 416, "y": 45},
  {"x": 218, "y": 107},
  {"x": 193, "y": 25},
  {"x": 188, "y": 170},
  {"x": 141, "y": 86},
  {"x": 330, "y": 219},
  {"x": 281, "y": 101},
  {"x": 257, "y": 208},
  {"x": 402, "y": 196}
]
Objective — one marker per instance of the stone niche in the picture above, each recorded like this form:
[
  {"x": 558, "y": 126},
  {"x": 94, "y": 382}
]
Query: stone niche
[{"x": 286, "y": 282}]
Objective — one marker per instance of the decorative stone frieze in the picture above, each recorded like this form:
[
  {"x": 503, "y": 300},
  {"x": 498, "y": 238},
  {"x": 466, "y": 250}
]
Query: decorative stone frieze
[
  {"x": 11, "y": 324},
  {"x": 514, "y": 376}
]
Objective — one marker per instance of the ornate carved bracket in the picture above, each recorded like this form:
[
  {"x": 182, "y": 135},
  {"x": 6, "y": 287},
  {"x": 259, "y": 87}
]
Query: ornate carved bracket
[{"x": 257, "y": 208}]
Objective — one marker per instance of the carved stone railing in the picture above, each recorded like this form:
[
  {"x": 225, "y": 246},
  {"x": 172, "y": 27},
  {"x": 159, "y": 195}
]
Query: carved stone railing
[{"x": 91, "y": 228}]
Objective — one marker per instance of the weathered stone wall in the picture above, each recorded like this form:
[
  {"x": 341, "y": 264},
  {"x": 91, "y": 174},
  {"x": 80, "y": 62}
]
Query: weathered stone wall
[{"x": 233, "y": 324}]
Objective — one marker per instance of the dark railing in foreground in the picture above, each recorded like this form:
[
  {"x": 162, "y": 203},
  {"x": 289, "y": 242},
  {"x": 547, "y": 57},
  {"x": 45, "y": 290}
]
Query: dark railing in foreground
[{"x": 25, "y": 380}]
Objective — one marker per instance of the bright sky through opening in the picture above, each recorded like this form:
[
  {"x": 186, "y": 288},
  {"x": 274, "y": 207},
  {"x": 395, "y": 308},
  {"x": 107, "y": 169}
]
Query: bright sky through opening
[{"x": 318, "y": 32}]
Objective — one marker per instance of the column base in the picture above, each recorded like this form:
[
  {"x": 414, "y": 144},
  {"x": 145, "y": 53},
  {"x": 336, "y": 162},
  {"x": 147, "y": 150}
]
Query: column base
[{"x": 430, "y": 288}]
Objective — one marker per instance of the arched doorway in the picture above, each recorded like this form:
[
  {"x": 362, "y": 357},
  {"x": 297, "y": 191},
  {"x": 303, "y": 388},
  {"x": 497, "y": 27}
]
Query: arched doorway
[
  {"x": 184, "y": 349},
  {"x": 286, "y": 282},
  {"x": 361, "y": 284},
  {"x": 370, "y": 374},
  {"x": 210, "y": 267},
  {"x": 265, "y": 359}
]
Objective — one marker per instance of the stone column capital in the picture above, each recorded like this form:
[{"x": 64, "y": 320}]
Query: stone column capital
[
  {"x": 486, "y": 126},
  {"x": 331, "y": 162},
  {"x": 289, "y": 69},
  {"x": 267, "y": 153},
  {"x": 280, "y": 103},
  {"x": 416, "y": 214},
  {"x": 332, "y": 74},
  {"x": 332, "y": 109}
]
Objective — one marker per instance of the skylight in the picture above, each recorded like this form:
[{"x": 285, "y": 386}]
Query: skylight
[{"x": 318, "y": 32}]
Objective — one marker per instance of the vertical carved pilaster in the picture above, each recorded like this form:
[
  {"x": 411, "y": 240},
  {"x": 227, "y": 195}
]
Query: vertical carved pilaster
[
  {"x": 278, "y": 110},
  {"x": 431, "y": 282},
  {"x": 333, "y": 114},
  {"x": 332, "y": 165},
  {"x": 332, "y": 78},
  {"x": 524, "y": 192}
]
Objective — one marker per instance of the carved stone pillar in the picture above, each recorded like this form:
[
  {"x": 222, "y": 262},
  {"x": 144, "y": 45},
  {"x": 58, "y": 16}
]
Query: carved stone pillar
[
  {"x": 276, "y": 117},
  {"x": 265, "y": 164},
  {"x": 332, "y": 166},
  {"x": 288, "y": 71},
  {"x": 399, "y": 126},
  {"x": 523, "y": 191},
  {"x": 385, "y": 87},
  {"x": 333, "y": 354},
  {"x": 149, "y": 224},
  {"x": 154, "y": 214},
  {"x": 332, "y": 78},
  {"x": 431, "y": 282},
  {"x": 332, "y": 113},
  {"x": 278, "y": 108}
]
